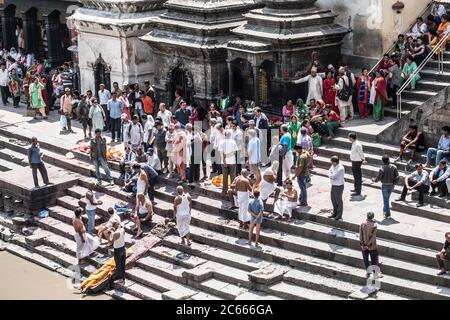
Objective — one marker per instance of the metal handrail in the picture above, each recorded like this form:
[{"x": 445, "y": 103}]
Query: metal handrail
[
  {"x": 439, "y": 49},
  {"x": 424, "y": 13}
]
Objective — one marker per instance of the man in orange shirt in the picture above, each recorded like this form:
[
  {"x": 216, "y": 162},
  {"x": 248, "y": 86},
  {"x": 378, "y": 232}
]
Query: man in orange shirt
[{"x": 147, "y": 103}]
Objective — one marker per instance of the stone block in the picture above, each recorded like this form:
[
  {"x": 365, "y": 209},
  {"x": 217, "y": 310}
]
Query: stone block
[
  {"x": 268, "y": 275},
  {"x": 198, "y": 274},
  {"x": 363, "y": 294},
  {"x": 8, "y": 203},
  {"x": 179, "y": 294}
]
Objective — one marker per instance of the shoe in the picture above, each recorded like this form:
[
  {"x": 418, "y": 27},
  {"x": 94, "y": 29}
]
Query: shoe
[
  {"x": 337, "y": 219},
  {"x": 352, "y": 191},
  {"x": 400, "y": 199},
  {"x": 410, "y": 161},
  {"x": 354, "y": 194},
  {"x": 331, "y": 217},
  {"x": 419, "y": 205},
  {"x": 111, "y": 183},
  {"x": 442, "y": 195},
  {"x": 432, "y": 193},
  {"x": 387, "y": 216},
  {"x": 440, "y": 273},
  {"x": 71, "y": 131}
]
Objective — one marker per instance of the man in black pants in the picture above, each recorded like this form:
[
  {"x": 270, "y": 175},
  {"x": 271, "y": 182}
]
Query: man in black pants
[
  {"x": 36, "y": 163},
  {"x": 118, "y": 241},
  {"x": 418, "y": 180},
  {"x": 4, "y": 78},
  {"x": 196, "y": 155},
  {"x": 368, "y": 243},
  {"x": 336, "y": 175},
  {"x": 357, "y": 158}
]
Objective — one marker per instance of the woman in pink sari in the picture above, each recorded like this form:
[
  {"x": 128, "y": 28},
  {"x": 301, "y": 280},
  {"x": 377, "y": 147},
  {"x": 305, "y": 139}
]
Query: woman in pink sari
[
  {"x": 288, "y": 111},
  {"x": 329, "y": 91},
  {"x": 179, "y": 152},
  {"x": 125, "y": 104}
]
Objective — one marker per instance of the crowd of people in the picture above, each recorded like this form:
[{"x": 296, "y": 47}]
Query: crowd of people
[{"x": 230, "y": 139}]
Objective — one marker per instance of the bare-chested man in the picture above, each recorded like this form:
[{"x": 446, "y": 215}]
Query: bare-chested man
[
  {"x": 268, "y": 186},
  {"x": 86, "y": 244},
  {"x": 240, "y": 189}
]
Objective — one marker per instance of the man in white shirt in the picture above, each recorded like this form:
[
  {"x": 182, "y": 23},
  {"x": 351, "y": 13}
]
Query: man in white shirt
[
  {"x": 357, "y": 158},
  {"x": 165, "y": 115},
  {"x": 103, "y": 97},
  {"x": 315, "y": 85},
  {"x": 4, "y": 83},
  {"x": 336, "y": 175},
  {"x": 227, "y": 149},
  {"x": 419, "y": 29},
  {"x": 149, "y": 123},
  {"x": 437, "y": 11},
  {"x": 254, "y": 154},
  {"x": 135, "y": 133},
  {"x": 238, "y": 137},
  {"x": 153, "y": 161}
]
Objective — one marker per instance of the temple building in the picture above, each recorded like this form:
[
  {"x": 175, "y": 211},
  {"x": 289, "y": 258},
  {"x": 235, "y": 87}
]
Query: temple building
[
  {"x": 252, "y": 48},
  {"x": 276, "y": 44}
]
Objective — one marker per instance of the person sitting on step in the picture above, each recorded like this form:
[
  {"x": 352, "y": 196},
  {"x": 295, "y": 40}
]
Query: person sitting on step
[
  {"x": 438, "y": 178},
  {"x": 444, "y": 255},
  {"x": 442, "y": 151},
  {"x": 413, "y": 140},
  {"x": 418, "y": 180}
]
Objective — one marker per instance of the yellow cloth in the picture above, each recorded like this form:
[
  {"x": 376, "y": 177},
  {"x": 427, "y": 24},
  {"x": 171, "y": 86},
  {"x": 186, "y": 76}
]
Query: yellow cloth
[{"x": 98, "y": 276}]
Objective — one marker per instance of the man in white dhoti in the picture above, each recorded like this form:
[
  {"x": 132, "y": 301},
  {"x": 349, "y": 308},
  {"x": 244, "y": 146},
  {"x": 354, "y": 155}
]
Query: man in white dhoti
[
  {"x": 288, "y": 202},
  {"x": 86, "y": 243},
  {"x": 239, "y": 194},
  {"x": 268, "y": 186},
  {"x": 315, "y": 85},
  {"x": 182, "y": 213}
]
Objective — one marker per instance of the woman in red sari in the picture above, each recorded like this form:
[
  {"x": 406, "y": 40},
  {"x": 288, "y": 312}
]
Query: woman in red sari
[
  {"x": 363, "y": 87},
  {"x": 329, "y": 91},
  {"x": 381, "y": 96}
]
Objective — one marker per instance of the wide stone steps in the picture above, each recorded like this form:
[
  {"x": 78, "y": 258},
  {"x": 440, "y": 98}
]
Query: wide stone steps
[
  {"x": 312, "y": 230},
  {"x": 15, "y": 157},
  {"x": 6, "y": 165},
  {"x": 60, "y": 213},
  {"x": 430, "y": 211}
]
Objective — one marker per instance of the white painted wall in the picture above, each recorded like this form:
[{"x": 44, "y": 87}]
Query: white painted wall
[{"x": 374, "y": 23}]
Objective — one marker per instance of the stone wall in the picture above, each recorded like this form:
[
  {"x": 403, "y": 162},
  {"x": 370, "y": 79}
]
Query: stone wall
[{"x": 430, "y": 118}]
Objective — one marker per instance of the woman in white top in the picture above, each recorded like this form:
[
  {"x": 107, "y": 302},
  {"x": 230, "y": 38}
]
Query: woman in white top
[
  {"x": 143, "y": 212},
  {"x": 182, "y": 213}
]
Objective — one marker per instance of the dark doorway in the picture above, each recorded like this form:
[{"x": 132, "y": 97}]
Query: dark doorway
[
  {"x": 32, "y": 31},
  {"x": 102, "y": 73},
  {"x": 266, "y": 72},
  {"x": 242, "y": 78},
  {"x": 9, "y": 23},
  {"x": 180, "y": 81}
]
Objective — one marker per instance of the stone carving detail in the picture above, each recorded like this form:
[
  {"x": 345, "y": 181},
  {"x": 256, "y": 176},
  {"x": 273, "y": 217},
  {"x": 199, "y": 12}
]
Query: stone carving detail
[{"x": 178, "y": 63}]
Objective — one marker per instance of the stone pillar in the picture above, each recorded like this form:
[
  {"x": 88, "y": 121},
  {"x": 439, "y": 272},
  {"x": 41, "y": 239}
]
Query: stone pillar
[
  {"x": 230, "y": 78},
  {"x": 8, "y": 29},
  {"x": 52, "y": 28},
  {"x": 31, "y": 30},
  {"x": 256, "y": 84}
]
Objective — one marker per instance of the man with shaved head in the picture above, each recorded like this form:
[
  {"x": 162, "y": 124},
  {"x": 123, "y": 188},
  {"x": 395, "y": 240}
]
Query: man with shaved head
[
  {"x": 239, "y": 194},
  {"x": 182, "y": 213}
]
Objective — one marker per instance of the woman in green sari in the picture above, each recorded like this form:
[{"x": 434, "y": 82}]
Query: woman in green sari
[
  {"x": 36, "y": 101},
  {"x": 408, "y": 70},
  {"x": 294, "y": 128},
  {"x": 302, "y": 109}
]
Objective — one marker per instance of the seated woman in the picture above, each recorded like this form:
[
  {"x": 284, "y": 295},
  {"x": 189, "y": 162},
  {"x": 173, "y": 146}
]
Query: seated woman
[
  {"x": 408, "y": 71},
  {"x": 307, "y": 124},
  {"x": 332, "y": 122},
  {"x": 289, "y": 201},
  {"x": 143, "y": 213},
  {"x": 443, "y": 28},
  {"x": 302, "y": 109},
  {"x": 419, "y": 53},
  {"x": 413, "y": 140}
]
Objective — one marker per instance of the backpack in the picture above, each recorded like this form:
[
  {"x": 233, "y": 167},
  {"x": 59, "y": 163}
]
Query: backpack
[
  {"x": 346, "y": 92},
  {"x": 316, "y": 140},
  {"x": 129, "y": 128}
]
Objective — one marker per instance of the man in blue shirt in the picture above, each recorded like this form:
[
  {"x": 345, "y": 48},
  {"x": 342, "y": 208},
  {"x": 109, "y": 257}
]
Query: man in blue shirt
[
  {"x": 438, "y": 178},
  {"x": 443, "y": 149},
  {"x": 36, "y": 163},
  {"x": 115, "y": 112},
  {"x": 255, "y": 208},
  {"x": 182, "y": 114}
]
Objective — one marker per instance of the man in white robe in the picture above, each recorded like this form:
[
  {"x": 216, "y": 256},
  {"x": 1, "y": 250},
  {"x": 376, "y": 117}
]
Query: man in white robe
[{"x": 315, "y": 85}]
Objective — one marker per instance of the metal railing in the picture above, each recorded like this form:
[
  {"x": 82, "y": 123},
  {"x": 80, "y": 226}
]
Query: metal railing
[
  {"x": 424, "y": 14},
  {"x": 438, "y": 50}
]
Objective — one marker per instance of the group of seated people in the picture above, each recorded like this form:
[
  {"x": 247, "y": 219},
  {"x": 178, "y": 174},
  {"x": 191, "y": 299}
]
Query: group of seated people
[{"x": 438, "y": 160}]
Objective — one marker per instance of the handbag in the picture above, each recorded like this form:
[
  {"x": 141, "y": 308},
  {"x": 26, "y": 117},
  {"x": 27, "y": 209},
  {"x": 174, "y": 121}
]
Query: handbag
[{"x": 283, "y": 150}]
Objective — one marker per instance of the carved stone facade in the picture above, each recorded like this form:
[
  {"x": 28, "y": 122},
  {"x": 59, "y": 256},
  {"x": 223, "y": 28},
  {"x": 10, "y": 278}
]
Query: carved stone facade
[{"x": 112, "y": 29}]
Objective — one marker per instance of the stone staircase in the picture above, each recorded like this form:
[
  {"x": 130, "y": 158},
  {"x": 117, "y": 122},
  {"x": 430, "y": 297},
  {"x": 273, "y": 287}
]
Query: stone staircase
[{"x": 311, "y": 257}]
